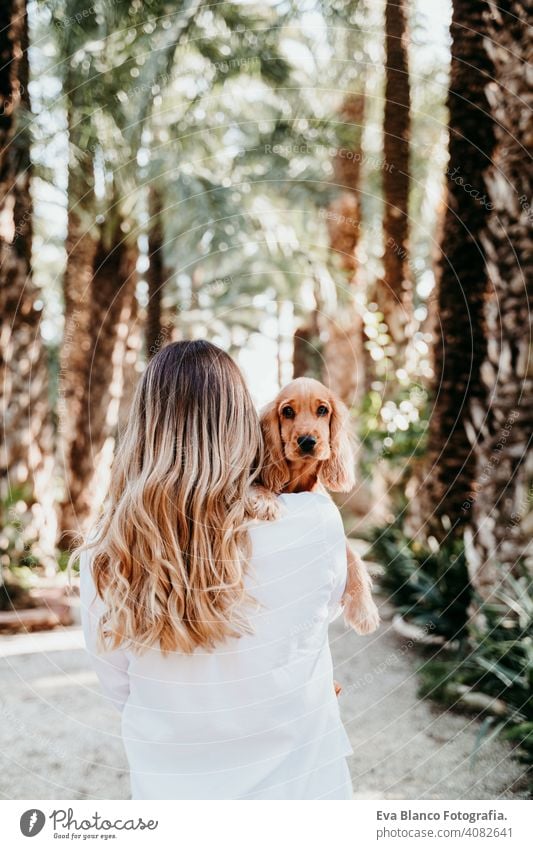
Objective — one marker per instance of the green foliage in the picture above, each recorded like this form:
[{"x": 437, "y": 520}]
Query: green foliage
[
  {"x": 242, "y": 176},
  {"x": 394, "y": 414},
  {"x": 487, "y": 664},
  {"x": 429, "y": 587},
  {"x": 202, "y": 101},
  {"x": 394, "y": 429},
  {"x": 493, "y": 674},
  {"x": 18, "y": 544},
  {"x": 18, "y": 537},
  {"x": 14, "y": 589}
]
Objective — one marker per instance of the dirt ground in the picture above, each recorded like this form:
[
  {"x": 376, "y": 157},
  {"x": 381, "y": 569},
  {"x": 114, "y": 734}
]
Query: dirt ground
[{"x": 59, "y": 739}]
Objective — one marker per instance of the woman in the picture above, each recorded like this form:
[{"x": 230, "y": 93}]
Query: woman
[{"x": 208, "y": 628}]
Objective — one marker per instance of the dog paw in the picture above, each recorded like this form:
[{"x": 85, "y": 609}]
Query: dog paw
[
  {"x": 263, "y": 504},
  {"x": 363, "y": 618}
]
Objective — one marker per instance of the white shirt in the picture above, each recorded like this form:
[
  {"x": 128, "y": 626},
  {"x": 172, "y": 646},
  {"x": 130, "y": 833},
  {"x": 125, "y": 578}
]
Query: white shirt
[{"x": 257, "y": 718}]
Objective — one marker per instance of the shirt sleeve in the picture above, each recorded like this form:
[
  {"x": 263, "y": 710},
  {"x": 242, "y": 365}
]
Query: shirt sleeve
[
  {"x": 111, "y": 667},
  {"x": 335, "y": 541}
]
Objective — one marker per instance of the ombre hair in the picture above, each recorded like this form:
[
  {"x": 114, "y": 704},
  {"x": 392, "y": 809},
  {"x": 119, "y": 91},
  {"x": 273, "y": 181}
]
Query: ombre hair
[{"x": 169, "y": 554}]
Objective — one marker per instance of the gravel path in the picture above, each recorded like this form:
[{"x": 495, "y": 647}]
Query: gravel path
[
  {"x": 406, "y": 748},
  {"x": 59, "y": 739}
]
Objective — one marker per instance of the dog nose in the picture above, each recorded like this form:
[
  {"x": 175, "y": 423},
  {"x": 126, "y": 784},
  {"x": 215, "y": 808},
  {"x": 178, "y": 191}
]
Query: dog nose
[{"x": 306, "y": 443}]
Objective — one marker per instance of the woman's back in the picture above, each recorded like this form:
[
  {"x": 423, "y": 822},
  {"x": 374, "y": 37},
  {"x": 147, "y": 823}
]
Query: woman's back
[{"x": 257, "y": 717}]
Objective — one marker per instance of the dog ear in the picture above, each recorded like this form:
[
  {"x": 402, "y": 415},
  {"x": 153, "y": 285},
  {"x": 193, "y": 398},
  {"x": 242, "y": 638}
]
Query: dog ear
[
  {"x": 275, "y": 470},
  {"x": 338, "y": 471}
]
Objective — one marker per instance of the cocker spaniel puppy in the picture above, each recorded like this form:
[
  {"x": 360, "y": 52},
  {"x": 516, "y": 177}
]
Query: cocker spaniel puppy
[{"x": 308, "y": 447}]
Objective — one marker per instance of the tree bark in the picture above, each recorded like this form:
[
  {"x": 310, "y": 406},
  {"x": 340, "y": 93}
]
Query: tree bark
[
  {"x": 462, "y": 283},
  {"x": 155, "y": 276},
  {"x": 344, "y": 214},
  {"x": 26, "y": 462},
  {"x": 100, "y": 377},
  {"x": 81, "y": 247},
  {"x": 306, "y": 353},
  {"x": 499, "y": 535},
  {"x": 394, "y": 291},
  {"x": 343, "y": 332},
  {"x": 132, "y": 361},
  {"x": 344, "y": 355}
]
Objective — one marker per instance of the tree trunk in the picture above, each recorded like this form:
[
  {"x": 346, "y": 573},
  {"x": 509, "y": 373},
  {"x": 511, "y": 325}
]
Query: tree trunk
[
  {"x": 462, "y": 283},
  {"x": 344, "y": 229},
  {"x": 394, "y": 291},
  {"x": 501, "y": 505},
  {"x": 81, "y": 249},
  {"x": 344, "y": 355},
  {"x": 81, "y": 246},
  {"x": 26, "y": 463},
  {"x": 100, "y": 384},
  {"x": 155, "y": 276},
  {"x": 342, "y": 332},
  {"x": 344, "y": 214},
  {"x": 132, "y": 361},
  {"x": 306, "y": 353}
]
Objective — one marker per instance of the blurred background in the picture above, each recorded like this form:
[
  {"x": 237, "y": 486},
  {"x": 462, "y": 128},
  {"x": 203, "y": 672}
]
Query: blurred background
[{"x": 336, "y": 189}]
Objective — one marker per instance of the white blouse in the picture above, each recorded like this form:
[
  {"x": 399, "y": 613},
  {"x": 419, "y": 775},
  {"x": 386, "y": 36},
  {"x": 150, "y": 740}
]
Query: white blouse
[{"x": 257, "y": 718}]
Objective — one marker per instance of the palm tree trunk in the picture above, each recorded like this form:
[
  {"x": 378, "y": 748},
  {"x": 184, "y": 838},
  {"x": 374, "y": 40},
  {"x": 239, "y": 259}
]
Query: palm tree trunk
[
  {"x": 132, "y": 359},
  {"x": 462, "y": 283},
  {"x": 342, "y": 332},
  {"x": 344, "y": 214},
  {"x": 26, "y": 459},
  {"x": 394, "y": 291},
  {"x": 101, "y": 377},
  {"x": 155, "y": 275},
  {"x": 306, "y": 356},
  {"x": 500, "y": 508},
  {"x": 81, "y": 247},
  {"x": 344, "y": 355}
]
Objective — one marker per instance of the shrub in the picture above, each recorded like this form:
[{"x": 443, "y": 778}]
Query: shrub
[
  {"x": 493, "y": 674},
  {"x": 429, "y": 587},
  {"x": 490, "y": 669},
  {"x": 17, "y": 558}
]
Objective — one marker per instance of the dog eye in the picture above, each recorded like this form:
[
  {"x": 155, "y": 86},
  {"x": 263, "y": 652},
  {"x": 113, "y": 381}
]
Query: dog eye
[
  {"x": 322, "y": 410},
  {"x": 288, "y": 413}
]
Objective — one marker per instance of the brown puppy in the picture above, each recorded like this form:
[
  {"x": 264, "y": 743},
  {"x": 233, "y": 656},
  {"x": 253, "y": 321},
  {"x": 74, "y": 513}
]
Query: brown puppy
[{"x": 307, "y": 447}]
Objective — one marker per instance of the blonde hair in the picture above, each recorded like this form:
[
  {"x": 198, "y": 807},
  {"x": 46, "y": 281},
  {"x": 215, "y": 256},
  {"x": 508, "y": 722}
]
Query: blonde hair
[{"x": 171, "y": 549}]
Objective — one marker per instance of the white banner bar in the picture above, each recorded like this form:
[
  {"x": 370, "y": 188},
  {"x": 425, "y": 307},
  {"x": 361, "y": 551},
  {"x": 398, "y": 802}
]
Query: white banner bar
[{"x": 267, "y": 825}]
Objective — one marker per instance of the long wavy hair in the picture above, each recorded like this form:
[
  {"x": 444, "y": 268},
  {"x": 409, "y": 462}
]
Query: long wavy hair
[{"x": 169, "y": 554}]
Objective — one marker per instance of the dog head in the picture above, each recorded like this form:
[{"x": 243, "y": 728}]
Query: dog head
[{"x": 306, "y": 427}]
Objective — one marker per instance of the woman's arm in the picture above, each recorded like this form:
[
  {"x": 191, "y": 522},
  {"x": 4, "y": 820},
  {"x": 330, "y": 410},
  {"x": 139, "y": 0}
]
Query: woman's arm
[{"x": 111, "y": 667}]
